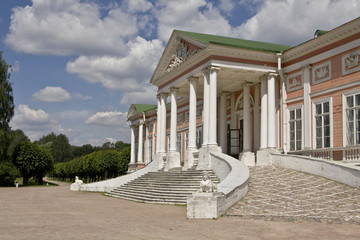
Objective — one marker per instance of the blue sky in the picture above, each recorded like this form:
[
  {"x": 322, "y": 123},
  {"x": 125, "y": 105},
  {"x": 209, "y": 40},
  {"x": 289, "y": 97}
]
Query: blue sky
[{"x": 79, "y": 64}]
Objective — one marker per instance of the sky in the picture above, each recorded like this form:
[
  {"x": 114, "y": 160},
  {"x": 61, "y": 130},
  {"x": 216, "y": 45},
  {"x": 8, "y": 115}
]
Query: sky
[{"x": 78, "y": 65}]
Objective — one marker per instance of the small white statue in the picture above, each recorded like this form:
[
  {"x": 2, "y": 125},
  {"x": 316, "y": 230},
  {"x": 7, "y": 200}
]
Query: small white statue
[
  {"x": 78, "y": 181},
  {"x": 206, "y": 185}
]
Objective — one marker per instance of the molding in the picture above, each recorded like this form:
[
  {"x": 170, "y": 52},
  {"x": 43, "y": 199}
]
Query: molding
[
  {"x": 295, "y": 100},
  {"x": 334, "y": 89}
]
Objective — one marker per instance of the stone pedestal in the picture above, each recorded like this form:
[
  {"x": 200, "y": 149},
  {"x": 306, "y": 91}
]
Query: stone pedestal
[
  {"x": 248, "y": 158},
  {"x": 263, "y": 157},
  {"x": 205, "y": 205},
  {"x": 173, "y": 160},
  {"x": 75, "y": 187},
  {"x": 131, "y": 167},
  {"x": 204, "y": 156}
]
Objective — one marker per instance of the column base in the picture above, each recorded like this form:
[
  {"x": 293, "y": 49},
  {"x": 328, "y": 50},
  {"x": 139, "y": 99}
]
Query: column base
[
  {"x": 204, "y": 156},
  {"x": 173, "y": 160},
  {"x": 161, "y": 158},
  {"x": 248, "y": 158},
  {"x": 131, "y": 167},
  {"x": 191, "y": 158},
  {"x": 263, "y": 157}
]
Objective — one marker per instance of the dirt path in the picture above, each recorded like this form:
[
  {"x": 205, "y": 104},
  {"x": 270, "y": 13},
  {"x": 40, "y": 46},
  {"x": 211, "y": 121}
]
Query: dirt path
[{"x": 55, "y": 212}]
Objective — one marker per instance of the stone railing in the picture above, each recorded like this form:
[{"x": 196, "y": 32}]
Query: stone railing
[
  {"x": 339, "y": 171},
  {"x": 346, "y": 154},
  {"x": 233, "y": 186},
  {"x": 107, "y": 185}
]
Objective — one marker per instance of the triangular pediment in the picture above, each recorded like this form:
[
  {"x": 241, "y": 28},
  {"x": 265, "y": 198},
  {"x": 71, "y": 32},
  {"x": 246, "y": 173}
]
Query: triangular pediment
[{"x": 178, "y": 50}]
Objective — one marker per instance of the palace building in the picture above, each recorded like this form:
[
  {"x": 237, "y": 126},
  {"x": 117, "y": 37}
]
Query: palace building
[{"x": 249, "y": 99}]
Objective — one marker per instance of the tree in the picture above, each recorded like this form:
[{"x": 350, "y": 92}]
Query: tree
[
  {"x": 6, "y": 107},
  {"x": 59, "y": 146},
  {"x": 16, "y": 137},
  {"x": 31, "y": 160}
]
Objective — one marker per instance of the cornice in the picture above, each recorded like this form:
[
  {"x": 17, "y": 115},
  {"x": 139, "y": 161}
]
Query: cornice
[{"x": 332, "y": 37}]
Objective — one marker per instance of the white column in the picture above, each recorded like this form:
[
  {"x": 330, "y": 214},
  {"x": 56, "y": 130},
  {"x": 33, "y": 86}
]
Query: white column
[
  {"x": 264, "y": 105},
  {"x": 213, "y": 106},
  {"x": 147, "y": 145},
  {"x": 192, "y": 113},
  {"x": 233, "y": 111},
  {"x": 256, "y": 118},
  {"x": 222, "y": 122},
  {"x": 153, "y": 141},
  {"x": 307, "y": 108},
  {"x": 271, "y": 111},
  {"x": 247, "y": 121},
  {"x": 158, "y": 124},
  {"x": 141, "y": 143},
  {"x": 163, "y": 124},
  {"x": 173, "y": 122},
  {"x": 132, "y": 154},
  {"x": 205, "y": 117}
]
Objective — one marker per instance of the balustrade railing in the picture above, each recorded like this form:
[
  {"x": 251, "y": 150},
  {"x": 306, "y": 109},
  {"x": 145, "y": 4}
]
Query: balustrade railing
[{"x": 346, "y": 154}]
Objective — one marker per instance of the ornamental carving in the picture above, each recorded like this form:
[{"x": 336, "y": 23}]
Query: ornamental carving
[
  {"x": 321, "y": 73},
  {"x": 294, "y": 82},
  {"x": 352, "y": 61},
  {"x": 182, "y": 53}
]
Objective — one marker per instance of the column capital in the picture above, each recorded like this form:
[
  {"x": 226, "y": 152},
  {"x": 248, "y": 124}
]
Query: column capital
[
  {"x": 306, "y": 67},
  {"x": 211, "y": 68},
  {"x": 246, "y": 84},
  {"x": 141, "y": 122},
  {"x": 174, "y": 89},
  {"x": 193, "y": 79},
  {"x": 272, "y": 74},
  {"x": 162, "y": 94}
]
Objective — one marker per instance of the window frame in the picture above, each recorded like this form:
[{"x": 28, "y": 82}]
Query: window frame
[
  {"x": 344, "y": 117},
  {"x": 314, "y": 103},
  {"x": 292, "y": 108}
]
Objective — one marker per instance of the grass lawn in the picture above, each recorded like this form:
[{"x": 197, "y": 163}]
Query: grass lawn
[{"x": 32, "y": 183}]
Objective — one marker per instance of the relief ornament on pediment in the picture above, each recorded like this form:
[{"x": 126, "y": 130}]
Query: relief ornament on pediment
[
  {"x": 182, "y": 53},
  {"x": 352, "y": 60}
]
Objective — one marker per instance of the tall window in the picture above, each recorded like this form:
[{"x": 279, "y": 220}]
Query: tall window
[
  {"x": 322, "y": 124},
  {"x": 353, "y": 119},
  {"x": 199, "y": 138},
  {"x": 295, "y": 124}
]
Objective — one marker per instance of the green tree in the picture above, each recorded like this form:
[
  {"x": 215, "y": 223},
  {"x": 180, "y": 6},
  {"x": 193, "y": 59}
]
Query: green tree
[
  {"x": 16, "y": 137},
  {"x": 124, "y": 160},
  {"x": 31, "y": 160},
  {"x": 6, "y": 107},
  {"x": 59, "y": 146},
  {"x": 8, "y": 174}
]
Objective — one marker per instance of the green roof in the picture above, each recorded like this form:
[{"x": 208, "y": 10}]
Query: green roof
[
  {"x": 235, "y": 42},
  {"x": 144, "y": 107}
]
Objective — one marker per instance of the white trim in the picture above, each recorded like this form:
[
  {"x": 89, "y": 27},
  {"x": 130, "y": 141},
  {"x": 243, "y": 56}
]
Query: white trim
[
  {"x": 327, "y": 99},
  {"x": 344, "y": 119},
  {"x": 297, "y": 99},
  {"x": 300, "y": 106},
  {"x": 334, "y": 89}
]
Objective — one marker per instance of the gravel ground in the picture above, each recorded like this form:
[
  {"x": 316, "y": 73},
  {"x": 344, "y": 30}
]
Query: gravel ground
[
  {"x": 279, "y": 194},
  {"x": 55, "y": 212}
]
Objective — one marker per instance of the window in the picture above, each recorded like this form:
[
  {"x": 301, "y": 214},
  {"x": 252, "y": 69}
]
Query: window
[
  {"x": 198, "y": 138},
  {"x": 295, "y": 129},
  {"x": 322, "y": 123},
  {"x": 178, "y": 143},
  {"x": 352, "y": 116}
]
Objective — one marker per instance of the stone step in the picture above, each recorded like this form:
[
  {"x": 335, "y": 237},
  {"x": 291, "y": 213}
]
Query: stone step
[{"x": 162, "y": 187}]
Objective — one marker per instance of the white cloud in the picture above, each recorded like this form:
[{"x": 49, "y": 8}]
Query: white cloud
[
  {"x": 72, "y": 114},
  {"x": 81, "y": 97},
  {"x": 113, "y": 119},
  {"x": 139, "y": 5},
  {"x": 65, "y": 27},
  {"x": 52, "y": 94},
  {"x": 292, "y": 22},
  {"x": 226, "y": 5},
  {"x": 190, "y": 15},
  {"x": 129, "y": 73},
  {"x": 25, "y": 115},
  {"x": 147, "y": 95}
]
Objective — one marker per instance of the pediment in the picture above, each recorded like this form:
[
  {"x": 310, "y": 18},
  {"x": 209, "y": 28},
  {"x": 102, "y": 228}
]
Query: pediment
[{"x": 179, "y": 49}]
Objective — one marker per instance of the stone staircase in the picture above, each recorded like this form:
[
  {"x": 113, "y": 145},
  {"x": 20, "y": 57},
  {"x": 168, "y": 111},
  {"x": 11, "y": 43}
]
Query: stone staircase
[{"x": 161, "y": 187}]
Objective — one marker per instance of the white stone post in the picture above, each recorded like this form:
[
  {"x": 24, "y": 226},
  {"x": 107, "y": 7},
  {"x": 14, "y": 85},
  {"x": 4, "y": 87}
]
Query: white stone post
[
  {"x": 205, "y": 117},
  {"x": 132, "y": 155},
  {"x": 192, "y": 114},
  {"x": 222, "y": 122},
  {"x": 158, "y": 124},
  {"x": 213, "y": 106},
  {"x": 256, "y": 118},
  {"x": 271, "y": 111},
  {"x": 163, "y": 124},
  {"x": 173, "y": 122},
  {"x": 147, "y": 145},
  {"x": 264, "y": 106},
  {"x": 173, "y": 154},
  {"x": 307, "y": 108},
  {"x": 247, "y": 121},
  {"x": 140, "y": 159}
]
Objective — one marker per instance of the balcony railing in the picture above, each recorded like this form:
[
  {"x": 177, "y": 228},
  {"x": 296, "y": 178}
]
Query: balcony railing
[{"x": 345, "y": 154}]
